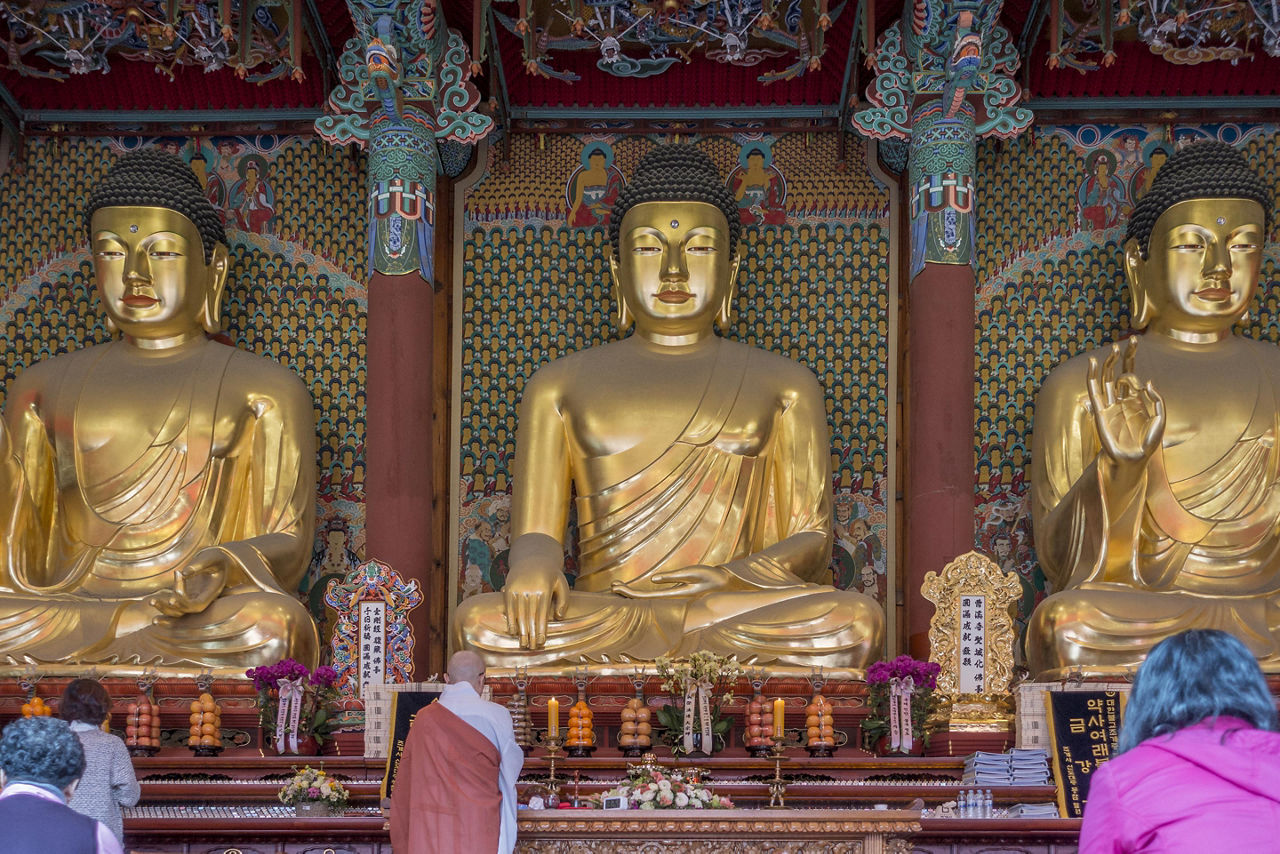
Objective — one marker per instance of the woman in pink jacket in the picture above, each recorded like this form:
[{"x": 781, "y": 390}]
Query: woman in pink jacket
[{"x": 1198, "y": 768}]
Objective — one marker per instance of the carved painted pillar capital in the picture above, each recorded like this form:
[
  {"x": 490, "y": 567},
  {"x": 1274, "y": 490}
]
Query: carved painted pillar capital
[
  {"x": 942, "y": 82},
  {"x": 405, "y": 83}
]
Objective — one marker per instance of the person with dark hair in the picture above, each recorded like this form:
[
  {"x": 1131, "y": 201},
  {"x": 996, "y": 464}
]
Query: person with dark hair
[
  {"x": 1199, "y": 761},
  {"x": 702, "y": 467},
  {"x": 1155, "y": 479},
  {"x": 108, "y": 782},
  {"x": 40, "y": 764},
  {"x": 157, "y": 491}
]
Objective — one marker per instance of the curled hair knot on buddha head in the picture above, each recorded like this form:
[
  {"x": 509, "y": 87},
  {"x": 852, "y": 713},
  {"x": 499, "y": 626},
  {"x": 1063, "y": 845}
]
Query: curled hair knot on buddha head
[
  {"x": 1202, "y": 170},
  {"x": 676, "y": 173},
  {"x": 153, "y": 178}
]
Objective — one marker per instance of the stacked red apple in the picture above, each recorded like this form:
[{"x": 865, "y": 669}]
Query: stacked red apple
[
  {"x": 759, "y": 731},
  {"x": 206, "y": 722},
  {"x": 142, "y": 725}
]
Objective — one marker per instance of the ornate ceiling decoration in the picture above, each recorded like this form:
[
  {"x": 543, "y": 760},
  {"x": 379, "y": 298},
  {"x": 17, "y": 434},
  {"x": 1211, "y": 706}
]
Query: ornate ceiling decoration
[
  {"x": 1083, "y": 33},
  {"x": 260, "y": 39},
  {"x": 644, "y": 38}
]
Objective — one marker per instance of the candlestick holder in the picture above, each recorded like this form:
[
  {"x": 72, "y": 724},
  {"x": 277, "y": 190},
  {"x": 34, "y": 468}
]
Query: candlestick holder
[
  {"x": 552, "y": 743},
  {"x": 778, "y": 785}
]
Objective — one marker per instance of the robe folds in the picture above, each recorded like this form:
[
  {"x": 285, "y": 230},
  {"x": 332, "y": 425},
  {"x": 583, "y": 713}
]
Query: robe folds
[{"x": 447, "y": 798}]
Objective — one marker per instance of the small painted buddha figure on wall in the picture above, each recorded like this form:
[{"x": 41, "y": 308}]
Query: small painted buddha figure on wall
[
  {"x": 1155, "y": 466},
  {"x": 157, "y": 492},
  {"x": 701, "y": 466}
]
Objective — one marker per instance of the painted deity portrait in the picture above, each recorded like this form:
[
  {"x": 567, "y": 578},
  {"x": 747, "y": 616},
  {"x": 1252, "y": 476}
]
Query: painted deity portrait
[
  {"x": 1102, "y": 197},
  {"x": 252, "y": 200},
  {"x": 759, "y": 187},
  {"x": 593, "y": 187}
]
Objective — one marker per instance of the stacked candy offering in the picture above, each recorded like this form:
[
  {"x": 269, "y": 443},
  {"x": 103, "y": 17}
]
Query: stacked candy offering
[
  {"x": 142, "y": 727},
  {"x": 205, "y": 735},
  {"x": 820, "y": 726},
  {"x": 36, "y": 708},
  {"x": 519, "y": 710},
  {"x": 582, "y": 738},
  {"x": 635, "y": 735}
]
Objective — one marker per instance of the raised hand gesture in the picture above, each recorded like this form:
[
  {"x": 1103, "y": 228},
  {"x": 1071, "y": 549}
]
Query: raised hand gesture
[{"x": 1128, "y": 415}]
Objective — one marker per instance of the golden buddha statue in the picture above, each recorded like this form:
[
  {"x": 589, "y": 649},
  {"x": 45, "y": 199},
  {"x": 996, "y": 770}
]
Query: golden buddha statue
[
  {"x": 1155, "y": 466},
  {"x": 701, "y": 468},
  {"x": 157, "y": 493}
]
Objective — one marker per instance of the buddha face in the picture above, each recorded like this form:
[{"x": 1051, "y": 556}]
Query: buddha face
[
  {"x": 1201, "y": 269},
  {"x": 673, "y": 270},
  {"x": 152, "y": 276}
]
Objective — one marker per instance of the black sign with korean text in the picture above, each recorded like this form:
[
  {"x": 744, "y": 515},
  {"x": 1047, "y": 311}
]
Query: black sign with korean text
[
  {"x": 405, "y": 706},
  {"x": 1085, "y": 727}
]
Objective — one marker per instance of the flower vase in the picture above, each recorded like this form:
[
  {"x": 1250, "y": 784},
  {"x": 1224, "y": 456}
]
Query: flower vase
[
  {"x": 307, "y": 746},
  {"x": 312, "y": 809},
  {"x": 882, "y": 747}
]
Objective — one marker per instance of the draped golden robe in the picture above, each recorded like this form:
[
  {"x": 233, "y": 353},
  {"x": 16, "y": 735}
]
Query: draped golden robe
[
  {"x": 743, "y": 482},
  {"x": 218, "y": 462},
  {"x": 1196, "y": 544}
]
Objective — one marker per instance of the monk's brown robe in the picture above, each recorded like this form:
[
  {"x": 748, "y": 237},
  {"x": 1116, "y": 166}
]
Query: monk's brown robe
[{"x": 446, "y": 798}]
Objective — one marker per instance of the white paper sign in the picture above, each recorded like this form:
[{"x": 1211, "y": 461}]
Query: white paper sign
[
  {"x": 972, "y": 651},
  {"x": 373, "y": 643}
]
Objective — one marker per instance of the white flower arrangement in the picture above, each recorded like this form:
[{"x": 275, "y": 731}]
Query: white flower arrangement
[
  {"x": 313, "y": 786},
  {"x": 653, "y": 789}
]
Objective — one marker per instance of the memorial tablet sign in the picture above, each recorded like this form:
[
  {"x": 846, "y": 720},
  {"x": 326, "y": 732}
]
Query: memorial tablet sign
[
  {"x": 1085, "y": 727},
  {"x": 405, "y": 706}
]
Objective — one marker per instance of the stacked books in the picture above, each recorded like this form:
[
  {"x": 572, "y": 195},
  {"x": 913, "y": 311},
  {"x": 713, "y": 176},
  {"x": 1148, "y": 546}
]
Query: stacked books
[
  {"x": 1019, "y": 767},
  {"x": 1029, "y": 766},
  {"x": 1033, "y": 811}
]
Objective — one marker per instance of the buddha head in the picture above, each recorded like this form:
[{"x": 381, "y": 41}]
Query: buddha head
[
  {"x": 1194, "y": 243},
  {"x": 674, "y": 232},
  {"x": 159, "y": 250}
]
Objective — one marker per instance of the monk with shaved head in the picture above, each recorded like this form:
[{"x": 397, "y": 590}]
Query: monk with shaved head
[{"x": 455, "y": 791}]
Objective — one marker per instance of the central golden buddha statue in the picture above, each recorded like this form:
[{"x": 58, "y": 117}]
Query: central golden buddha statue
[
  {"x": 702, "y": 470},
  {"x": 1156, "y": 466},
  {"x": 157, "y": 493}
]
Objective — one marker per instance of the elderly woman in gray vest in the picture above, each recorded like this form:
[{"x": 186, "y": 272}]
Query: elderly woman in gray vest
[{"x": 108, "y": 782}]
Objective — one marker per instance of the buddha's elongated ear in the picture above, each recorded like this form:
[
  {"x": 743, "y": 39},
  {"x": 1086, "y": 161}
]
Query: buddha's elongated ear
[
  {"x": 1134, "y": 269},
  {"x": 624, "y": 314},
  {"x": 215, "y": 284},
  {"x": 725, "y": 315}
]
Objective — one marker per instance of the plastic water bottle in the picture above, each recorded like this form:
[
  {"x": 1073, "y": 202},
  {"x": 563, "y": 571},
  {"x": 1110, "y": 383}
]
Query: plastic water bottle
[{"x": 986, "y": 803}]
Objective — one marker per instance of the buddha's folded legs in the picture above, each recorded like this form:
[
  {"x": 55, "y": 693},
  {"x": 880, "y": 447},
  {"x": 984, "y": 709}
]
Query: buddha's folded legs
[
  {"x": 239, "y": 629},
  {"x": 1108, "y": 630},
  {"x": 813, "y": 626}
]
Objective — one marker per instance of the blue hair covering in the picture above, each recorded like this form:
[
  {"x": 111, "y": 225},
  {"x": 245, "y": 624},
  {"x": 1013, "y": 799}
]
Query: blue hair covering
[{"x": 1191, "y": 676}]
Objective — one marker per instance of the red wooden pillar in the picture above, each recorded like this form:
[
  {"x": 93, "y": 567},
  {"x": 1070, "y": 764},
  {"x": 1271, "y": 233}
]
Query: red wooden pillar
[
  {"x": 398, "y": 450},
  {"x": 940, "y": 449}
]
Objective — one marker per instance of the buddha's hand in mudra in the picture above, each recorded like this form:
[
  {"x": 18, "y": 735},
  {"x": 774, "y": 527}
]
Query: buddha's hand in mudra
[
  {"x": 533, "y": 593},
  {"x": 690, "y": 581},
  {"x": 195, "y": 586},
  {"x": 1128, "y": 414}
]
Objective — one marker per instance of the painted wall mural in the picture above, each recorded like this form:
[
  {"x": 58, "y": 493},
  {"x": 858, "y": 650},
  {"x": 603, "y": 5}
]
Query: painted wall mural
[
  {"x": 535, "y": 286},
  {"x": 1051, "y": 213},
  {"x": 295, "y": 215}
]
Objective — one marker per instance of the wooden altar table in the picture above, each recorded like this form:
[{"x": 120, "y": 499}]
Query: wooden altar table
[{"x": 734, "y": 831}]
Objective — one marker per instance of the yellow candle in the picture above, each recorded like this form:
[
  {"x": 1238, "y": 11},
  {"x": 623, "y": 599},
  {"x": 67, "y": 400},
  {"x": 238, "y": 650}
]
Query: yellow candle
[
  {"x": 553, "y": 717},
  {"x": 779, "y": 715}
]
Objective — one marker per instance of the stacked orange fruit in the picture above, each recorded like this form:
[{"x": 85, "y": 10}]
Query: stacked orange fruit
[
  {"x": 636, "y": 729},
  {"x": 820, "y": 722},
  {"x": 142, "y": 723},
  {"x": 36, "y": 708},
  {"x": 759, "y": 723},
  {"x": 581, "y": 730},
  {"x": 206, "y": 723}
]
